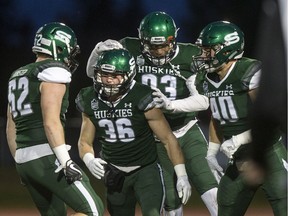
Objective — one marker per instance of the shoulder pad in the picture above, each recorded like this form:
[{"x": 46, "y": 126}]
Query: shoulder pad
[
  {"x": 79, "y": 102},
  {"x": 251, "y": 78},
  {"x": 53, "y": 71},
  {"x": 146, "y": 101},
  {"x": 49, "y": 64}
]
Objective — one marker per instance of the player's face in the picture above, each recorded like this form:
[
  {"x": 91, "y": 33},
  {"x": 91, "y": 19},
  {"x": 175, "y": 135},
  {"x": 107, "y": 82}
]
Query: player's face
[
  {"x": 208, "y": 52},
  {"x": 111, "y": 83},
  {"x": 159, "y": 50},
  {"x": 111, "y": 79}
]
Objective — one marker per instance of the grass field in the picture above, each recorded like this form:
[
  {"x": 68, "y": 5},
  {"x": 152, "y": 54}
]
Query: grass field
[{"x": 15, "y": 200}]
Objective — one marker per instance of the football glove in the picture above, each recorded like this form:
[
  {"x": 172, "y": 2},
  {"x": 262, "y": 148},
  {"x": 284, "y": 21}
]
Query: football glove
[
  {"x": 192, "y": 103},
  {"x": 216, "y": 169},
  {"x": 95, "y": 165},
  {"x": 108, "y": 44},
  {"x": 230, "y": 146},
  {"x": 183, "y": 186},
  {"x": 72, "y": 172},
  {"x": 161, "y": 101}
]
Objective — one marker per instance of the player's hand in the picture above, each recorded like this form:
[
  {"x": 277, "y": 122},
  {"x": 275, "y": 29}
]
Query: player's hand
[
  {"x": 184, "y": 188},
  {"x": 229, "y": 148},
  {"x": 72, "y": 172},
  {"x": 161, "y": 101},
  {"x": 108, "y": 44},
  {"x": 216, "y": 169},
  {"x": 96, "y": 167}
]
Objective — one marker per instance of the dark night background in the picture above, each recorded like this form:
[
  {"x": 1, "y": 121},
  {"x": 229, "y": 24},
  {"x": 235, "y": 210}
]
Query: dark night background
[{"x": 98, "y": 20}]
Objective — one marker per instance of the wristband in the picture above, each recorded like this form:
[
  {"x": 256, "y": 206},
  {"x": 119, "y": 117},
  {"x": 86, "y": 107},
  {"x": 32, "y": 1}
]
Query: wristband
[
  {"x": 62, "y": 154},
  {"x": 242, "y": 138},
  {"x": 180, "y": 170},
  {"x": 87, "y": 158},
  {"x": 213, "y": 148}
]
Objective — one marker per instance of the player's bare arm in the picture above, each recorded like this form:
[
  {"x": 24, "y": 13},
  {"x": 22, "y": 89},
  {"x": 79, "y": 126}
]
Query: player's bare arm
[
  {"x": 253, "y": 94},
  {"x": 11, "y": 133},
  {"x": 51, "y": 100},
  {"x": 85, "y": 147},
  {"x": 86, "y": 138},
  {"x": 161, "y": 129},
  {"x": 214, "y": 134}
]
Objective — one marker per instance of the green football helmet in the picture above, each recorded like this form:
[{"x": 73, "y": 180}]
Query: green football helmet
[
  {"x": 158, "y": 29},
  {"x": 58, "y": 41},
  {"x": 112, "y": 63},
  {"x": 220, "y": 43}
]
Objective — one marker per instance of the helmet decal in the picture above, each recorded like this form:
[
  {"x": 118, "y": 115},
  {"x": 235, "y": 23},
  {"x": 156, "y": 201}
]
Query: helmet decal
[
  {"x": 224, "y": 39},
  {"x": 63, "y": 36},
  {"x": 231, "y": 38},
  {"x": 58, "y": 41}
]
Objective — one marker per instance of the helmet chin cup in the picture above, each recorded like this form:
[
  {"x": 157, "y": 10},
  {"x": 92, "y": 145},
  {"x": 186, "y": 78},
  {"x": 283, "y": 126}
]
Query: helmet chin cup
[{"x": 109, "y": 90}]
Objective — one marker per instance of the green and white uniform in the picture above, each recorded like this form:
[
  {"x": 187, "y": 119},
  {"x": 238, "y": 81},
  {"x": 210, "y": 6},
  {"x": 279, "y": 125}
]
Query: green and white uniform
[
  {"x": 127, "y": 141},
  {"x": 35, "y": 160},
  {"x": 170, "y": 79},
  {"x": 230, "y": 105}
]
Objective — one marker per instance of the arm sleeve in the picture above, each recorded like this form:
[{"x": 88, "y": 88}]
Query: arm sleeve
[
  {"x": 91, "y": 62},
  {"x": 191, "y": 104}
]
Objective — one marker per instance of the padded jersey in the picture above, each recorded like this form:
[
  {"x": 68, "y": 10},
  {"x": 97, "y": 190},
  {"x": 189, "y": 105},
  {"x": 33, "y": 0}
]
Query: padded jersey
[{"x": 24, "y": 98}]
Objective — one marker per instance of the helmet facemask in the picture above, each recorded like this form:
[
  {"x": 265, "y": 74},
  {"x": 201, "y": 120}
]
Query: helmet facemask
[
  {"x": 109, "y": 90},
  {"x": 113, "y": 64},
  {"x": 71, "y": 60},
  {"x": 157, "y": 30},
  {"x": 220, "y": 42},
  {"x": 208, "y": 60},
  {"x": 149, "y": 50}
]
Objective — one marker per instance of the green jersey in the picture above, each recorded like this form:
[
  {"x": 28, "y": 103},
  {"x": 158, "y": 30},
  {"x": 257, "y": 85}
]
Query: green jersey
[
  {"x": 121, "y": 127},
  {"x": 169, "y": 78},
  {"x": 24, "y": 99},
  {"x": 229, "y": 99}
]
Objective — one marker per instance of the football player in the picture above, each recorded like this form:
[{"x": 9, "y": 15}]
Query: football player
[
  {"x": 38, "y": 100},
  {"x": 164, "y": 64},
  {"x": 231, "y": 82},
  {"x": 120, "y": 114}
]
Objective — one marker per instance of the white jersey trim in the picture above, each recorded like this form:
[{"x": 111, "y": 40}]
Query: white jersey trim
[
  {"x": 55, "y": 75},
  {"x": 255, "y": 80}
]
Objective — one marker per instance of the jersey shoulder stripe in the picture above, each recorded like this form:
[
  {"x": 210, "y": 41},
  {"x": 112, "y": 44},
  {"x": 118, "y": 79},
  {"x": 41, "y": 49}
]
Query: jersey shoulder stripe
[
  {"x": 132, "y": 44},
  {"x": 251, "y": 72}
]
